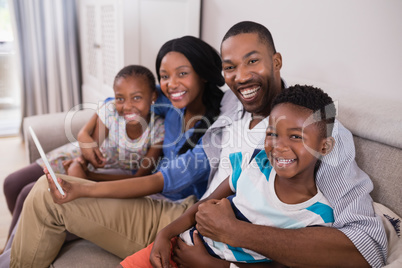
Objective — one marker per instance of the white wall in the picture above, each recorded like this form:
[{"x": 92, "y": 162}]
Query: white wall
[{"x": 349, "y": 48}]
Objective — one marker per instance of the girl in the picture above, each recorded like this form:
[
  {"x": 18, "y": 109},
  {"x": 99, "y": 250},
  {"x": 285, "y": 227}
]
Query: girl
[{"x": 131, "y": 135}]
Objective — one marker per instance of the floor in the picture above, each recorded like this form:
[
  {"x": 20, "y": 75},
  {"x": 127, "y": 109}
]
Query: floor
[{"x": 12, "y": 158}]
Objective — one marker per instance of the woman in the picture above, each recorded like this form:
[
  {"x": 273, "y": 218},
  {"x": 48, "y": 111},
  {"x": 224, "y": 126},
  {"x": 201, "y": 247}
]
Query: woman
[{"x": 189, "y": 71}]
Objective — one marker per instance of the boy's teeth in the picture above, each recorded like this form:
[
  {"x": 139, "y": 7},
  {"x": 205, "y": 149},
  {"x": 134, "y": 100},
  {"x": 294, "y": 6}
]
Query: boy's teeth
[
  {"x": 249, "y": 93},
  {"x": 178, "y": 94},
  {"x": 285, "y": 161}
]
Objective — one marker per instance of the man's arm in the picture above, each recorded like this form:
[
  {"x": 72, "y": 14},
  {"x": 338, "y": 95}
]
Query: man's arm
[{"x": 306, "y": 247}]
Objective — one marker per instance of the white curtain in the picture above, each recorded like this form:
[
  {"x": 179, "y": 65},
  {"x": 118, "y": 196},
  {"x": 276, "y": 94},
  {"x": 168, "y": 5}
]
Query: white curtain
[{"x": 47, "y": 36}]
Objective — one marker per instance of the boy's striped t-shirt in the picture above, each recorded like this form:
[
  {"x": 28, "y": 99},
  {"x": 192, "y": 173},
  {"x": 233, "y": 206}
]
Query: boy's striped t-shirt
[{"x": 255, "y": 201}]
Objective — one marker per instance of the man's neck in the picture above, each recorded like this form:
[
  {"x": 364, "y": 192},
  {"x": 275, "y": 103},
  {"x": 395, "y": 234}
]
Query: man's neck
[{"x": 255, "y": 119}]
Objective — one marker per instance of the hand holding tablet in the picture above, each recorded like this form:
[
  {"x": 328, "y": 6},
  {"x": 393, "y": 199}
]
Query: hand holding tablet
[{"x": 43, "y": 156}]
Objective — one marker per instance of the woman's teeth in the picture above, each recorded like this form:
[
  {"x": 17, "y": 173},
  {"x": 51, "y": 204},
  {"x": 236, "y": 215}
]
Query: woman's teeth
[{"x": 177, "y": 94}]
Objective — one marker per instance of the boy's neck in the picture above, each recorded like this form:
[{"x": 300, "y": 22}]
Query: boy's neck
[{"x": 295, "y": 191}]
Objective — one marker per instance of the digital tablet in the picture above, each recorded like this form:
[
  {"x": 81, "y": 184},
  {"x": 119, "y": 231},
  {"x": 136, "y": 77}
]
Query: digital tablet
[{"x": 43, "y": 156}]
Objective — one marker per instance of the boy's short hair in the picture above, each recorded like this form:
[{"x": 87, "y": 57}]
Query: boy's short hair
[{"x": 314, "y": 99}]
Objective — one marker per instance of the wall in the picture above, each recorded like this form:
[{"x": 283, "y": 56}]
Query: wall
[{"x": 350, "y": 48}]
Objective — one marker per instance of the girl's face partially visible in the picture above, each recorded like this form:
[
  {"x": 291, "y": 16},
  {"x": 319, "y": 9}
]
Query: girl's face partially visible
[
  {"x": 133, "y": 98},
  {"x": 179, "y": 82}
]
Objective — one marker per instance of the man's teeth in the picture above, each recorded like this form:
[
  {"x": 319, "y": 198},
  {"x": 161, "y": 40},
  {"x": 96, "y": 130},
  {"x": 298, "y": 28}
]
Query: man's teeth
[
  {"x": 249, "y": 93},
  {"x": 177, "y": 94}
]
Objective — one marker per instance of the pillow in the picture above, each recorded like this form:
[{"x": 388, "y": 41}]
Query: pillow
[{"x": 392, "y": 224}]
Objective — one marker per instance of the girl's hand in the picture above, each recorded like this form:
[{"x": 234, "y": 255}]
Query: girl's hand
[
  {"x": 71, "y": 190},
  {"x": 161, "y": 252},
  {"x": 94, "y": 156},
  {"x": 194, "y": 256}
]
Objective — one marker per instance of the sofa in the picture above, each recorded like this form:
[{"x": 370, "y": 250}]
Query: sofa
[{"x": 378, "y": 141}]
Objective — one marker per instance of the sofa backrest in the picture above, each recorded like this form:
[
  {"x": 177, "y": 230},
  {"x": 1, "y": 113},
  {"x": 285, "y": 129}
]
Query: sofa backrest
[{"x": 383, "y": 163}]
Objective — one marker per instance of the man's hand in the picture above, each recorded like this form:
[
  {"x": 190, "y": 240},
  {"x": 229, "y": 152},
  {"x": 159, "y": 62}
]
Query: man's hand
[{"x": 214, "y": 217}]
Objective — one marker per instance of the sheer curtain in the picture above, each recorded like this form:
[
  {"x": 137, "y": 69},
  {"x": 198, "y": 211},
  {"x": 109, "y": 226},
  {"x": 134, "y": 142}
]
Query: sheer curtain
[{"x": 47, "y": 36}]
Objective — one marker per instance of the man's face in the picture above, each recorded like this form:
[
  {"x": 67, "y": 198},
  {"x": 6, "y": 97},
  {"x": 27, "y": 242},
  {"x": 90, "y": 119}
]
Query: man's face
[{"x": 252, "y": 71}]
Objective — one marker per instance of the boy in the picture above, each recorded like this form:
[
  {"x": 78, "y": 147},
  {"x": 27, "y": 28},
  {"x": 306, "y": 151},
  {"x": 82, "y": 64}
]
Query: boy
[{"x": 276, "y": 188}]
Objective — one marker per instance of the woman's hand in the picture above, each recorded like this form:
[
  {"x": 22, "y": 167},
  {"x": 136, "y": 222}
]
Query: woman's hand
[
  {"x": 161, "y": 251},
  {"x": 71, "y": 190},
  {"x": 195, "y": 256}
]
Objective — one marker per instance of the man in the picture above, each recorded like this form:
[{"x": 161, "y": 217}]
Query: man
[{"x": 251, "y": 68}]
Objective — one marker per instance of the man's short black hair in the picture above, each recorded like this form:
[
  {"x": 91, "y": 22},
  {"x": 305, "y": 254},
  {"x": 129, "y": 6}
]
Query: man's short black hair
[
  {"x": 252, "y": 27},
  {"x": 314, "y": 99}
]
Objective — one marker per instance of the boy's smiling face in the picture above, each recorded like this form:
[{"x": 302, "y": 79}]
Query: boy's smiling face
[{"x": 290, "y": 142}]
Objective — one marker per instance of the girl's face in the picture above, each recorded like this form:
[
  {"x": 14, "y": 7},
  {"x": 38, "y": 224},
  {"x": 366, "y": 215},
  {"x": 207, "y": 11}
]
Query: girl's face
[
  {"x": 133, "y": 99},
  {"x": 179, "y": 82}
]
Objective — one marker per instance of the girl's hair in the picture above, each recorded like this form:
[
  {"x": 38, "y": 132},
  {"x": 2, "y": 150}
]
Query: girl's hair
[
  {"x": 207, "y": 63},
  {"x": 137, "y": 71}
]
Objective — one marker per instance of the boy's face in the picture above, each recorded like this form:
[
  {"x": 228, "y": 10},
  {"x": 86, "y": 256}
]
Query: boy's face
[
  {"x": 252, "y": 71},
  {"x": 291, "y": 141},
  {"x": 133, "y": 99}
]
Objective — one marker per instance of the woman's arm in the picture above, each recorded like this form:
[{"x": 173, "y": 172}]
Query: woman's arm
[{"x": 127, "y": 188}]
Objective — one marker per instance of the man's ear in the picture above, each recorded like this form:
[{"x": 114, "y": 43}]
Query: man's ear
[
  {"x": 277, "y": 61},
  {"x": 327, "y": 145}
]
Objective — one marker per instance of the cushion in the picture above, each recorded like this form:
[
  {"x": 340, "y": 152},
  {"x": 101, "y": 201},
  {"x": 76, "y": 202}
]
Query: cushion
[{"x": 392, "y": 224}]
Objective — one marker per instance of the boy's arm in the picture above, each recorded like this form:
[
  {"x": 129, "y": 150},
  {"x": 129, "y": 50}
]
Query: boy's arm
[
  {"x": 196, "y": 256},
  {"x": 161, "y": 250}
]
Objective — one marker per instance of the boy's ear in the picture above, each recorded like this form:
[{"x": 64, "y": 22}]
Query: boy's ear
[{"x": 327, "y": 145}]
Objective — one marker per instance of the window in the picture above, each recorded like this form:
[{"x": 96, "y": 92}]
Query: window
[{"x": 9, "y": 90}]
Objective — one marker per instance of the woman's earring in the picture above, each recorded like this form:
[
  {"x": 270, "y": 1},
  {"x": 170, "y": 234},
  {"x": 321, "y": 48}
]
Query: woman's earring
[{"x": 153, "y": 102}]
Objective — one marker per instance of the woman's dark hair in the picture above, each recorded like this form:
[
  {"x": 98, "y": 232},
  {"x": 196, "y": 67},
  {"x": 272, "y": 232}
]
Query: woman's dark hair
[
  {"x": 136, "y": 71},
  {"x": 207, "y": 63}
]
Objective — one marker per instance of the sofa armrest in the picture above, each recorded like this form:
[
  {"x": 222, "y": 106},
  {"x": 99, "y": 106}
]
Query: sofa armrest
[{"x": 53, "y": 130}]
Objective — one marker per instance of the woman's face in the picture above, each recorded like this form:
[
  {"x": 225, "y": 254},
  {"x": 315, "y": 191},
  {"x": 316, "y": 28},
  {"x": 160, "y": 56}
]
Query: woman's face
[{"x": 179, "y": 82}]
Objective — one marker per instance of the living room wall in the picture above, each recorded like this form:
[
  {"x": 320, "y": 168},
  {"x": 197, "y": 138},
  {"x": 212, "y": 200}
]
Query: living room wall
[{"x": 350, "y": 48}]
